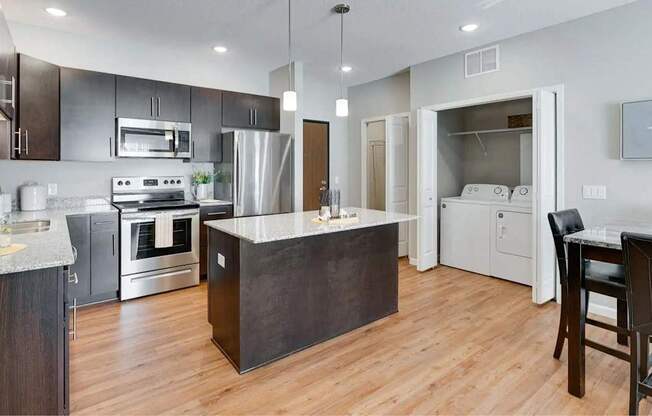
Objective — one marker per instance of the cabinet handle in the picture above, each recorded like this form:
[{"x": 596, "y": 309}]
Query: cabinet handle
[
  {"x": 27, "y": 142},
  {"x": 72, "y": 277},
  {"x": 19, "y": 133},
  {"x": 158, "y": 106},
  {"x": 251, "y": 116},
  {"x": 113, "y": 244},
  {"x": 255, "y": 116},
  {"x": 110, "y": 147},
  {"x": 103, "y": 222},
  {"x": 73, "y": 332},
  {"x": 151, "y": 106},
  {"x": 192, "y": 143},
  {"x": 212, "y": 214},
  {"x": 12, "y": 101}
]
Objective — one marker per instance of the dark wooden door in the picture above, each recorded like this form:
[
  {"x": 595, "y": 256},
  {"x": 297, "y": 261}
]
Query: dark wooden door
[
  {"x": 80, "y": 238},
  {"x": 38, "y": 109},
  {"x": 315, "y": 161},
  {"x": 87, "y": 115},
  {"x": 135, "y": 98},
  {"x": 172, "y": 102},
  {"x": 206, "y": 119},
  {"x": 237, "y": 110},
  {"x": 104, "y": 253},
  {"x": 267, "y": 113}
]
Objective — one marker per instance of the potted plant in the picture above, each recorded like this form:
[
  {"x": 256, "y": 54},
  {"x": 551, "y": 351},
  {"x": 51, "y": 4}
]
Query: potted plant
[{"x": 201, "y": 181}]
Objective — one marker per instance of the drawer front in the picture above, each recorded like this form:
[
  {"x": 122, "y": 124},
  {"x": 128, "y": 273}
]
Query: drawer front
[
  {"x": 104, "y": 222},
  {"x": 218, "y": 212}
]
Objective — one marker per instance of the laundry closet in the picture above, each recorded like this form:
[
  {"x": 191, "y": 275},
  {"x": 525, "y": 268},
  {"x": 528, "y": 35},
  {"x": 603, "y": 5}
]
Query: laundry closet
[{"x": 484, "y": 189}]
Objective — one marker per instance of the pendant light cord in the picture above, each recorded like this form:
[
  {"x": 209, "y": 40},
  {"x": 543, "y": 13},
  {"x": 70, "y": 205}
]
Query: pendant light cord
[
  {"x": 290, "y": 46},
  {"x": 341, "y": 54}
]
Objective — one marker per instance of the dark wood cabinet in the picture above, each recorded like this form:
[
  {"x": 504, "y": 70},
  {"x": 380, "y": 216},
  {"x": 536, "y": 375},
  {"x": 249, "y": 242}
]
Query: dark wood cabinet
[
  {"x": 34, "y": 343},
  {"x": 104, "y": 254},
  {"x": 95, "y": 238},
  {"x": 87, "y": 115},
  {"x": 250, "y": 111},
  {"x": 8, "y": 61},
  {"x": 206, "y": 119},
  {"x": 152, "y": 100},
  {"x": 37, "y": 135},
  {"x": 209, "y": 213}
]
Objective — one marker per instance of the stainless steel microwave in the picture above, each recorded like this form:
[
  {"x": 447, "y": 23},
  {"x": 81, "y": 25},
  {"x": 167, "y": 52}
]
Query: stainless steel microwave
[{"x": 153, "y": 138}]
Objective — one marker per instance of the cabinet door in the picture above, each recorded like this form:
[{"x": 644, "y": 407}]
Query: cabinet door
[
  {"x": 87, "y": 115},
  {"x": 79, "y": 230},
  {"x": 206, "y": 119},
  {"x": 237, "y": 110},
  {"x": 172, "y": 102},
  {"x": 135, "y": 98},
  {"x": 267, "y": 113},
  {"x": 104, "y": 253},
  {"x": 38, "y": 109}
]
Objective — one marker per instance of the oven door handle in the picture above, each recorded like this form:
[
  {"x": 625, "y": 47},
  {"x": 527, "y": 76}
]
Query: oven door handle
[
  {"x": 157, "y": 276},
  {"x": 150, "y": 219}
]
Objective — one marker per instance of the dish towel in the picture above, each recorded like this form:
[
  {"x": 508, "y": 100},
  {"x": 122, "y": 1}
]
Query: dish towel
[{"x": 163, "y": 230}]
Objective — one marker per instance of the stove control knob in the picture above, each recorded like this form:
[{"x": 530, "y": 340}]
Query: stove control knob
[
  {"x": 165, "y": 182},
  {"x": 128, "y": 183},
  {"x": 178, "y": 181},
  {"x": 119, "y": 183}
]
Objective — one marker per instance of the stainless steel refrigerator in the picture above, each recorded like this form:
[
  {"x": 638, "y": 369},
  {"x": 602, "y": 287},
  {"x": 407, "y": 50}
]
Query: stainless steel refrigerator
[{"x": 256, "y": 172}]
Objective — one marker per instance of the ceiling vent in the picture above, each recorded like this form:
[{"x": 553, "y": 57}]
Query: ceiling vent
[{"x": 482, "y": 61}]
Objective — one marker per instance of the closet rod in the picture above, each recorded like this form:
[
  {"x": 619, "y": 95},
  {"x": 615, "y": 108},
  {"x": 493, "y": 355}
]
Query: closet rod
[{"x": 466, "y": 133}]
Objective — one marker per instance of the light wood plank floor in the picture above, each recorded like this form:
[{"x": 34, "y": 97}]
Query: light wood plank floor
[{"x": 461, "y": 344}]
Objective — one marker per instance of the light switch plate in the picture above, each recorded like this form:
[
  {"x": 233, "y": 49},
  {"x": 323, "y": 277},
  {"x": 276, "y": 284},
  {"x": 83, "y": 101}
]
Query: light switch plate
[
  {"x": 52, "y": 189},
  {"x": 594, "y": 192},
  {"x": 221, "y": 261}
]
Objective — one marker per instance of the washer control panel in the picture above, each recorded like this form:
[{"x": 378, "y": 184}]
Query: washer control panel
[
  {"x": 485, "y": 192},
  {"x": 522, "y": 193}
]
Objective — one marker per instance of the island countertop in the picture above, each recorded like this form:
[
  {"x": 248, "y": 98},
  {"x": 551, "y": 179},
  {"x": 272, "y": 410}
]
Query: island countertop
[{"x": 267, "y": 228}]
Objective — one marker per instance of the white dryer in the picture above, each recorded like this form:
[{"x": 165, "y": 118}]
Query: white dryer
[
  {"x": 511, "y": 237},
  {"x": 465, "y": 228}
]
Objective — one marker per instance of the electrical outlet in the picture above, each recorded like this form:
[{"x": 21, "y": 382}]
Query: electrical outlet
[
  {"x": 52, "y": 189},
  {"x": 594, "y": 192}
]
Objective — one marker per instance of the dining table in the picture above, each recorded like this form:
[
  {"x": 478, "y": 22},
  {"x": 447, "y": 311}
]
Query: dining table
[{"x": 598, "y": 243}]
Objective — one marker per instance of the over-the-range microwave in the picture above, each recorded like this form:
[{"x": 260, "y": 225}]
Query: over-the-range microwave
[{"x": 153, "y": 138}]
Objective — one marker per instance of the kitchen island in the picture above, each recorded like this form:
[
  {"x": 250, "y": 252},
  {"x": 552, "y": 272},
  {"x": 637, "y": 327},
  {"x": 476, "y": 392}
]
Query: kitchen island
[{"x": 280, "y": 283}]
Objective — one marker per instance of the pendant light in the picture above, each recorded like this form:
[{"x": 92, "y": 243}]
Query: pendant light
[
  {"x": 342, "y": 104},
  {"x": 290, "y": 96}
]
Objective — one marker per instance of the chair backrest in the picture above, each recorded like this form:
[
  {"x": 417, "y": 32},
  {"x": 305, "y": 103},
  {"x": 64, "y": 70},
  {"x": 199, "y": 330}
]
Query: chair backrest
[
  {"x": 562, "y": 223},
  {"x": 637, "y": 255}
]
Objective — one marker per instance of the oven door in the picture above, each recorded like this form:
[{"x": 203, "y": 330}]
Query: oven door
[
  {"x": 152, "y": 138},
  {"x": 137, "y": 250}
]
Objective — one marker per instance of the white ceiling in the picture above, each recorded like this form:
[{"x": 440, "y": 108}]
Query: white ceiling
[{"x": 382, "y": 37}]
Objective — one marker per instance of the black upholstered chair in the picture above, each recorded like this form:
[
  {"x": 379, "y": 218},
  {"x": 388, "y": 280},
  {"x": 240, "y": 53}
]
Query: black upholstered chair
[
  {"x": 637, "y": 254},
  {"x": 606, "y": 279}
]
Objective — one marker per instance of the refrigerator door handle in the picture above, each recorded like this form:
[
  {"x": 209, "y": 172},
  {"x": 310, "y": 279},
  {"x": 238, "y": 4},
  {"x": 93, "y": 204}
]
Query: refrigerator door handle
[{"x": 236, "y": 174}]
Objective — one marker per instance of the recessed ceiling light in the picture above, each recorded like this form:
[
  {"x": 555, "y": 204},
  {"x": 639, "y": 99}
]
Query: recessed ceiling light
[
  {"x": 56, "y": 12},
  {"x": 469, "y": 28},
  {"x": 346, "y": 68},
  {"x": 220, "y": 49}
]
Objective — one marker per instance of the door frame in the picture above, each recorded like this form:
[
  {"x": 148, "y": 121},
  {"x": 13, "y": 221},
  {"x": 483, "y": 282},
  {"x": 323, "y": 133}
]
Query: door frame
[
  {"x": 559, "y": 144},
  {"x": 363, "y": 153},
  {"x": 328, "y": 147}
]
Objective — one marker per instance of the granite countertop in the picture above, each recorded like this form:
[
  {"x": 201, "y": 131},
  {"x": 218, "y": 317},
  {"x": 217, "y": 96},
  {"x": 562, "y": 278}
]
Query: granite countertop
[
  {"x": 46, "y": 249},
  {"x": 266, "y": 228},
  {"x": 607, "y": 236}
]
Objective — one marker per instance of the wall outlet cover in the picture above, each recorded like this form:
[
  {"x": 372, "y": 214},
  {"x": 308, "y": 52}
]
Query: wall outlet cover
[
  {"x": 221, "y": 261},
  {"x": 52, "y": 189}
]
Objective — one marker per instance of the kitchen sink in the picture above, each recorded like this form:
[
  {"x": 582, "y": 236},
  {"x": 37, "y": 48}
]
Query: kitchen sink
[{"x": 26, "y": 227}]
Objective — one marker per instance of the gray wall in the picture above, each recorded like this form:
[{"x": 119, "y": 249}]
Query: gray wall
[
  {"x": 374, "y": 99},
  {"x": 602, "y": 60}
]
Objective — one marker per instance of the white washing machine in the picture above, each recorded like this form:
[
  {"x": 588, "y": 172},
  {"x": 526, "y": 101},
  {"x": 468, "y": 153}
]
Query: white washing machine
[
  {"x": 466, "y": 227},
  {"x": 511, "y": 237}
]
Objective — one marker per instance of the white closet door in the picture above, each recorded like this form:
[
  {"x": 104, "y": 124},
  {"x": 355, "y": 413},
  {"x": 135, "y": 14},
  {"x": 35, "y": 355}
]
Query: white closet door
[
  {"x": 544, "y": 188},
  {"x": 396, "y": 186},
  {"x": 426, "y": 189}
]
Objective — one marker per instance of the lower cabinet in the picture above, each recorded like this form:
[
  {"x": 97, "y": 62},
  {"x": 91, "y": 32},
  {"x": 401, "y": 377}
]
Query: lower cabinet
[
  {"x": 95, "y": 273},
  {"x": 34, "y": 342},
  {"x": 209, "y": 213}
]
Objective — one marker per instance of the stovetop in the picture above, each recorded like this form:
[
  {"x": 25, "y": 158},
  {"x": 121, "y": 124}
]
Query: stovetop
[{"x": 155, "y": 205}]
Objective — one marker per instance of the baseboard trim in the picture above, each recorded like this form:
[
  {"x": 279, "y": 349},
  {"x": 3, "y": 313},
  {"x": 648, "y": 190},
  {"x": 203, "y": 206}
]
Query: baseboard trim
[
  {"x": 413, "y": 261},
  {"x": 602, "y": 310}
]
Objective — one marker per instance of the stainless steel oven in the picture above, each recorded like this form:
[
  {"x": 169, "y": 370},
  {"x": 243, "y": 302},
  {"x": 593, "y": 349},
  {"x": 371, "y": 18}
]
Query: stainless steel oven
[{"x": 153, "y": 138}]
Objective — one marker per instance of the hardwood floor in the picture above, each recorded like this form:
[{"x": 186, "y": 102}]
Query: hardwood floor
[{"x": 461, "y": 343}]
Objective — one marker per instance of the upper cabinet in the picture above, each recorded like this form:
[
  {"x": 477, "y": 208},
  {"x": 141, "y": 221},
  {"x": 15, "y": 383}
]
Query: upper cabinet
[
  {"x": 87, "y": 115},
  {"x": 8, "y": 61},
  {"x": 206, "y": 119},
  {"x": 152, "y": 100},
  {"x": 37, "y": 128},
  {"x": 250, "y": 111}
]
